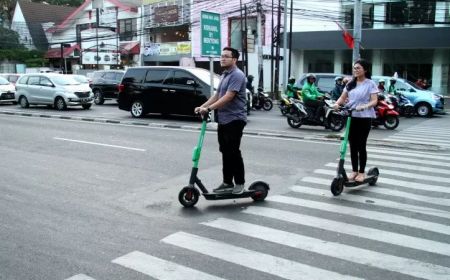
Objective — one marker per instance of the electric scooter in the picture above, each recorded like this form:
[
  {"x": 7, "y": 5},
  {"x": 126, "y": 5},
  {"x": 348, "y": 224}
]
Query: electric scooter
[
  {"x": 189, "y": 195},
  {"x": 341, "y": 179}
]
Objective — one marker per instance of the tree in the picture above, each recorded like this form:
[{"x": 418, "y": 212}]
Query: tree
[
  {"x": 9, "y": 39},
  {"x": 6, "y": 10}
]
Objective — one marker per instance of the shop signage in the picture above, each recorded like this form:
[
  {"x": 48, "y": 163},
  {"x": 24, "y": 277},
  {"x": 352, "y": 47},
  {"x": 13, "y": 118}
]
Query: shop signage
[
  {"x": 166, "y": 14},
  {"x": 174, "y": 48}
]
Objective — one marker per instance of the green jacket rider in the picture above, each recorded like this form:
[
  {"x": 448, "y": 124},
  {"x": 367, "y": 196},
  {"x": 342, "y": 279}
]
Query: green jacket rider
[
  {"x": 291, "y": 90},
  {"x": 310, "y": 92}
]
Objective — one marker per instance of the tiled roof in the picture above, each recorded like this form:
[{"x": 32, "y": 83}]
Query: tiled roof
[{"x": 37, "y": 13}]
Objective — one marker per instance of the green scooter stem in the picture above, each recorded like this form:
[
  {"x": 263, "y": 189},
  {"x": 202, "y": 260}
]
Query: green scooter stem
[
  {"x": 198, "y": 149},
  {"x": 343, "y": 149}
]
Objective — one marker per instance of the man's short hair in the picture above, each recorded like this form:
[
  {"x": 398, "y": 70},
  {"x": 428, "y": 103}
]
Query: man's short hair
[{"x": 234, "y": 52}]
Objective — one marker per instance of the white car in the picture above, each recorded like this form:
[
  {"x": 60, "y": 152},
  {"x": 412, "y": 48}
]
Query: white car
[
  {"x": 57, "y": 90},
  {"x": 7, "y": 91}
]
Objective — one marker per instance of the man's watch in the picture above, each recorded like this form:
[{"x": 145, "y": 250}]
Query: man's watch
[{"x": 209, "y": 109}]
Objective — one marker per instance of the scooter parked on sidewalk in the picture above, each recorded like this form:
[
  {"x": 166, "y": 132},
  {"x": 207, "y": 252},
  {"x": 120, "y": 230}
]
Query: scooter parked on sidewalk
[
  {"x": 261, "y": 100},
  {"x": 386, "y": 115},
  {"x": 300, "y": 114},
  {"x": 189, "y": 195},
  {"x": 341, "y": 180}
]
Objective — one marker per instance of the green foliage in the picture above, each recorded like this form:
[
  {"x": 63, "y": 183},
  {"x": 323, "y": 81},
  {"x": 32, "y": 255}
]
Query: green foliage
[
  {"x": 31, "y": 58},
  {"x": 9, "y": 39},
  {"x": 72, "y": 3}
]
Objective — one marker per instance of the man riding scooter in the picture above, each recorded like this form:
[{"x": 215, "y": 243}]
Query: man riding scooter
[{"x": 312, "y": 97}]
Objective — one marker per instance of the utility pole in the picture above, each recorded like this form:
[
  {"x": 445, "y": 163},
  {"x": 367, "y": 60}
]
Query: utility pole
[
  {"x": 277, "y": 53},
  {"x": 242, "y": 41},
  {"x": 357, "y": 16},
  {"x": 272, "y": 72},
  {"x": 245, "y": 40},
  {"x": 285, "y": 57},
  {"x": 260, "y": 49},
  {"x": 97, "y": 18},
  {"x": 290, "y": 39}
]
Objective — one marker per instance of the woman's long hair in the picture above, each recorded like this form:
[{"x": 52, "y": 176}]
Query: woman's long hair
[{"x": 365, "y": 65}]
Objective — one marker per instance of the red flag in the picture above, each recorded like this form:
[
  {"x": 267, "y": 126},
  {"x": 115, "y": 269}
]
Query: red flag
[{"x": 348, "y": 38}]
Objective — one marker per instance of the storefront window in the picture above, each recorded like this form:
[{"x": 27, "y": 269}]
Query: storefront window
[
  {"x": 128, "y": 29},
  {"x": 411, "y": 12}
]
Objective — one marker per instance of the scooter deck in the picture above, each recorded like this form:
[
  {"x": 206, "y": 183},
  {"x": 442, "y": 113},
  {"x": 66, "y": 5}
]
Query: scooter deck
[
  {"x": 368, "y": 179},
  {"x": 227, "y": 195}
]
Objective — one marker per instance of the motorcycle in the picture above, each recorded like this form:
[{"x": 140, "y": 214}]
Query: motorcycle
[
  {"x": 262, "y": 100},
  {"x": 299, "y": 115},
  {"x": 402, "y": 105},
  {"x": 385, "y": 114},
  {"x": 285, "y": 104}
]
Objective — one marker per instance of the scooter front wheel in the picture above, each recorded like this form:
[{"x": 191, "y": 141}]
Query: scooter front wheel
[
  {"x": 188, "y": 196},
  {"x": 267, "y": 106},
  {"x": 337, "y": 186}
]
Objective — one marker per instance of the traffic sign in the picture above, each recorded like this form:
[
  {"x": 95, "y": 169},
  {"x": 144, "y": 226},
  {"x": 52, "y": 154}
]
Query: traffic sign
[{"x": 210, "y": 30}]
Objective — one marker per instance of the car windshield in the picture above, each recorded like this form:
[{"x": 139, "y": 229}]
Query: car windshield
[
  {"x": 412, "y": 85},
  {"x": 205, "y": 76},
  {"x": 3, "y": 81},
  {"x": 64, "y": 80},
  {"x": 80, "y": 79}
]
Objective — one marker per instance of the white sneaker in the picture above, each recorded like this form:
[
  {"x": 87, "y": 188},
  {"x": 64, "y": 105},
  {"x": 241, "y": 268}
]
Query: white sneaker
[{"x": 238, "y": 189}]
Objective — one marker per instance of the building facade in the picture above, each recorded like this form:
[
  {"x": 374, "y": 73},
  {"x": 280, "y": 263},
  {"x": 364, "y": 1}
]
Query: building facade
[{"x": 411, "y": 38}]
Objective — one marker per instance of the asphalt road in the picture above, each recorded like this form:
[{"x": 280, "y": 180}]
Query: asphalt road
[{"x": 91, "y": 199}]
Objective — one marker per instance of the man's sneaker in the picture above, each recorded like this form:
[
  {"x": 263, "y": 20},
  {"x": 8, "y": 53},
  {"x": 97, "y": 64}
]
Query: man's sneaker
[
  {"x": 238, "y": 189},
  {"x": 224, "y": 188}
]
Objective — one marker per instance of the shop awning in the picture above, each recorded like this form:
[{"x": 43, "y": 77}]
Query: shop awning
[
  {"x": 130, "y": 48},
  {"x": 56, "y": 52}
]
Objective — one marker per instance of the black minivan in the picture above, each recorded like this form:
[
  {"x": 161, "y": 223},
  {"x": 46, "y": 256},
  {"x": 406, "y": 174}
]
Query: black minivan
[{"x": 170, "y": 90}]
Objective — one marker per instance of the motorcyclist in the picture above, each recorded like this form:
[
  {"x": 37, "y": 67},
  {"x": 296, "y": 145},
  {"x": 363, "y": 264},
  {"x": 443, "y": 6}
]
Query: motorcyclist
[
  {"x": 251, "y": 89},
  {"x": 381, "y": 86},
  {"x": 312, "y": 97},
  {"x": 338, "y": 88},
  {"x": 291, "y": 90},
  {"x": 392, "y": 89}
]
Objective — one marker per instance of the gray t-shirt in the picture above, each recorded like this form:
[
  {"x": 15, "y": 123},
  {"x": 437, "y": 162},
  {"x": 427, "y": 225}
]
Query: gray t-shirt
[
  {"x": 360, "y": 95},
  {"x": 232, "y": 80}
]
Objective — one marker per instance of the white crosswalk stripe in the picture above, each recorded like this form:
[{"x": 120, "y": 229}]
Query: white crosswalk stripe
[
  {"x": 263, "y": 262},
  {"x": 401, "y": 227},
  {"x": 80, "y": 277},
  {"x": 159, "y": 268},
  {"x": 341, "y": 251}
]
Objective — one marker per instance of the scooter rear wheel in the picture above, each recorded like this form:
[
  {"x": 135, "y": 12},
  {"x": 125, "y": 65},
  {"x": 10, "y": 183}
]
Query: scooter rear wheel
[
  {"x": 260, "y": 189},
  {"x": 188, "y": 196},
  {"x": 373, "y": 172},
  {"x": 337, "y": 186},
  {"x": 267, "y": 106}
]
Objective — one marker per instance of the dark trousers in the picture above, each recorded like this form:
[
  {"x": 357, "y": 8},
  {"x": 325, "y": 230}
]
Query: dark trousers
[
  {"x": 317, "y": 105},
  {"x": 229, "y": 136},
  {"x": 359, "y": 131}
]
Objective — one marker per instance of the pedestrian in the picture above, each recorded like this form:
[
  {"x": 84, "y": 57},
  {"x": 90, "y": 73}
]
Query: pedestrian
[
  {"x": 338, "y": 88},
  {"x": 420, "y": 83},
  {"x": 381, "y": 87},
  {"x": 229, "y": 101},
  {"x": 362, "y": 94}
]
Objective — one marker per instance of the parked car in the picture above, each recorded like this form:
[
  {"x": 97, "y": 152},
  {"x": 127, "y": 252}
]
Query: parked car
[
  {"x": 7, "y": 91},
  {"x": 425, "y": 102},
  {"x": 52, "y": 89},
  {"x": 164, "y": 89},
  {"x": 324, "y": 81},
  {"x": 12, "y": 78},
  {"x": 105, "y": 85}
]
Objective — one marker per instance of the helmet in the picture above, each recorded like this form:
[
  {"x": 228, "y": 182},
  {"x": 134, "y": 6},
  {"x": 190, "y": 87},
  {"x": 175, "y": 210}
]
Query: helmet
[
  {"x": 310, "y": 75},
  {"x": 338, "y": 78},
  {"x": 250, "y": 77},
  {"x": 291, "y": 80},
  {"x": 381, "y": 81},
  {"x": 393, "y": 79}
]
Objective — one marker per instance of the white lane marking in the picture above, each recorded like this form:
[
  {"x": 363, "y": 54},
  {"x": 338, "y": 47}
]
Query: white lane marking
[
  {"x": 366, "y": 214},
  {"x": 411, "y": 160},
  {"x": 254, "y": 260},
  {"x": 408, "y": 175},
  {"x": 99, "y": 144},
  {"x": 416, "y": 132},
  {"x": 426, "y": 140},
  {"x": 378, "y": 201},
  {"x": 351, "y": 229},
  {"x": 410, "y": 167},
  {"x": 80, "y": 277},
  {"x": 334, "y": 249},
  {"x": 386, "y": 191},
  {"x": 416, "y": 142},
  {"x": 440, "y": 156},
  {"x": 159, "y": 268}
]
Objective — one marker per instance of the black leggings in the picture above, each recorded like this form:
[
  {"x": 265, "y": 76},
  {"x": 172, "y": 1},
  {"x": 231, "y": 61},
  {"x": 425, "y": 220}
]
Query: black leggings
[
  {"x": 229, "y": 136},
  {"x": 359, "y": 131}
]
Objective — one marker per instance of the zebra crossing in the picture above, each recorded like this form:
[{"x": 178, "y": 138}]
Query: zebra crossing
[{"x": 398, "y": 229}]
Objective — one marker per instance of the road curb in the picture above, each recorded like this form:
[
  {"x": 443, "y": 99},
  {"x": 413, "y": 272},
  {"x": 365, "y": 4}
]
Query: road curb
[{"x": 330, "y": 138}]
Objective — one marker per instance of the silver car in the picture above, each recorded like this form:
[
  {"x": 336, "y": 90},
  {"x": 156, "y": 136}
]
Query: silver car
[
  {"x": 7, "y": 91},
  {"x": 51, "y": 89}
]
